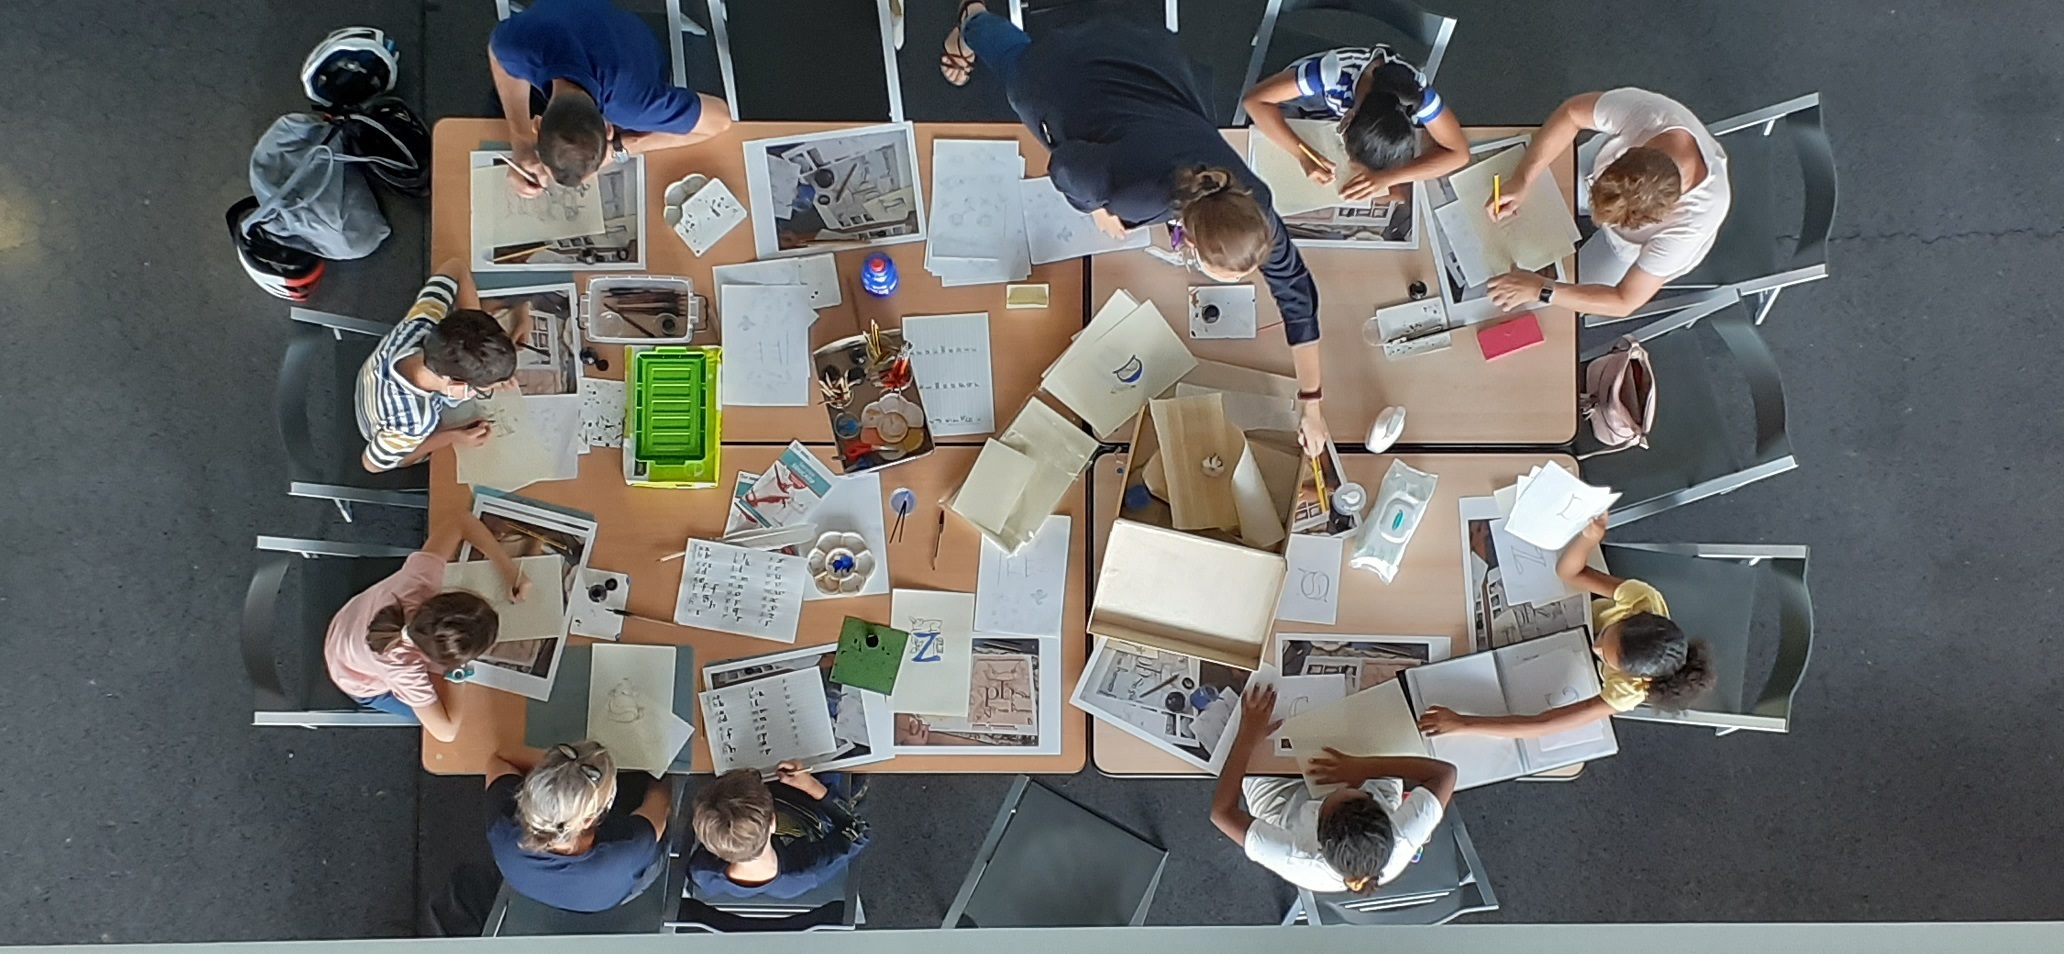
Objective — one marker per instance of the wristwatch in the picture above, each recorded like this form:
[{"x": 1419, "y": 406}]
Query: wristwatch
[
  {"x": 1547, "y": 292},
  {"x": 622, "y": 155}
]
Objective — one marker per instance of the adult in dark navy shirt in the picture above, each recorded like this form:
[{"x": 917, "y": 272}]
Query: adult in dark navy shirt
[
  {"x": 1132, "y": 144},
  {"x": 608, "y": 88},
  {"x": 566, "y": 835}
]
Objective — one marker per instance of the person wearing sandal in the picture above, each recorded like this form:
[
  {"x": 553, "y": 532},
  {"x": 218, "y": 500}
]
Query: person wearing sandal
[{"x": 1132, "y": 144}]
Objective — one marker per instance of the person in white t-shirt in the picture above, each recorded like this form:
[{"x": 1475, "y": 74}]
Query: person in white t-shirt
[
  {"x": 1355, "y": 839},
  {"x": 1658, "y": 190}
]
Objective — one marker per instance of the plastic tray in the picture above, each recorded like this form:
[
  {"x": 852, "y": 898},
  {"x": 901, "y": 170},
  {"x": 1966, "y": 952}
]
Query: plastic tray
[{"x": 673, "y": 435}]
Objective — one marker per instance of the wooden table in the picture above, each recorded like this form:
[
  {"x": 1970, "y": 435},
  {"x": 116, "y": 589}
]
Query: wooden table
[
  {"x": 1452, "y": 397},
  {"x": 1425, "y": 599},
  {"x": 640, "y": 525},
  {"x": 1023, "y": 342}
]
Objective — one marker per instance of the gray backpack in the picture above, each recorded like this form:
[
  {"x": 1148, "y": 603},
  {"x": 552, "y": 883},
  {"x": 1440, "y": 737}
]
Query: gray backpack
[{"x": 309, "y": 195}]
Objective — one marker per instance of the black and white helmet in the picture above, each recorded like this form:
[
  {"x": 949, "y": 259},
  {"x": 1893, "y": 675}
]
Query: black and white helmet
[
  {"x": 349, "y": 67},
  {"x": 283, "y": 271}
]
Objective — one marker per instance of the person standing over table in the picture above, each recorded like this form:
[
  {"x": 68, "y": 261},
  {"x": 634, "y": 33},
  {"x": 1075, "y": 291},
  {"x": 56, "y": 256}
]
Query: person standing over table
[
  {"x": 1132, "y": 144},
  {"x": 1659, "y": 193},
  {"x": 607, "y": 89}
]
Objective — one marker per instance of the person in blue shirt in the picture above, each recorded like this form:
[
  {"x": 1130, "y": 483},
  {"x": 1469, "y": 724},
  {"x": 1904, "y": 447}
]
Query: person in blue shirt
[
  {"x": 607, "y": 87},
  {"x": 1380, "y": 103},
  {"x": 781, "y": 840},
  {"x": 567, "y": 834},
  {"x": 1131, "y": 143}
]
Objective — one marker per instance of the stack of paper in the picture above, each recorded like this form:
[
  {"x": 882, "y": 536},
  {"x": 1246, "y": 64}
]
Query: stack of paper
[
  {"x": 1021, "y": 475},
  {"x": 1373, "y": 722},
  {"x": 1126, "y": 356},
  {"x": 818, "y": 273},
  {"x": 1056, "y": 230},
  {"x": 1539, "y": 235},
  {"x": 1552, "y": 505},
  {"x": 1523, "y": 679},
  {"x": 977, "y": 231}
]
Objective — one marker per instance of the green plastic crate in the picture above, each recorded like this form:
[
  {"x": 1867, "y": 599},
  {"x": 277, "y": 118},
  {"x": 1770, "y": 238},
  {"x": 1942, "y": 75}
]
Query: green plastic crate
[{"x": 676, "y": 427}]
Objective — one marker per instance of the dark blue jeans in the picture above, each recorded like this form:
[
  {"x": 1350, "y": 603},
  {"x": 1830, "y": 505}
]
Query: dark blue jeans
[
  {"x": 997, "y": 43},
  {"x": 385, "y": 702}
]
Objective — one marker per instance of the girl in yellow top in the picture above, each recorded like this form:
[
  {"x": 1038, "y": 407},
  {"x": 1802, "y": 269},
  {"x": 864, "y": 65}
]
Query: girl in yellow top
[{"x": 1642, "y": 656}]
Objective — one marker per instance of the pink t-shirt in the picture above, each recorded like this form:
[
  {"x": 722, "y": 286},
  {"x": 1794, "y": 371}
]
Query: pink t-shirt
[{"x": 402, "y": 670}]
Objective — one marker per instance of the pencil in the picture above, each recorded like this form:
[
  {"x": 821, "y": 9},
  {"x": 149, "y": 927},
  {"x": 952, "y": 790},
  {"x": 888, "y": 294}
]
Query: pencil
[
  {"x": 1319, "y": 481},
  {"x": 1497, "y": 191},
  {"x": 1315, "y": 157}
]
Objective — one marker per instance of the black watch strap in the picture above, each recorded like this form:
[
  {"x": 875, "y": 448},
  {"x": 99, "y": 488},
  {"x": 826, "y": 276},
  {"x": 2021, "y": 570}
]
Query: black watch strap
[{"x": 1547, "y": 292}]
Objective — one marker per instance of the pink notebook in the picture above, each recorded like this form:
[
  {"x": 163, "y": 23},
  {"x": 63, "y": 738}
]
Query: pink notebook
[{"x": 1508, "y": 336}]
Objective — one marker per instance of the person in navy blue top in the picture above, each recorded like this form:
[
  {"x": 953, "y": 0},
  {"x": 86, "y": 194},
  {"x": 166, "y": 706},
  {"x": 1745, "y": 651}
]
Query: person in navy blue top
[
  {"x": 1132, "y": 144},
  {"x": 607, "y": 87},
  {"x": 781, "y": 839},
  {"x": 572, "y": 834}
]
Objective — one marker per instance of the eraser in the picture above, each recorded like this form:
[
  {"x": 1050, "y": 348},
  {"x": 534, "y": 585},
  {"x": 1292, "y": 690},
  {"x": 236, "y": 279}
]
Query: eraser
[
  {"x": 1024, "y": 296},
  {"x": 1506, "y": 337}
]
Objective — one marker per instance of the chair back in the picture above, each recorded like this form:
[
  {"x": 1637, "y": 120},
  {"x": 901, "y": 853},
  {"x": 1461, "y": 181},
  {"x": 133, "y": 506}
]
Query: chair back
[
  {"x": 1695, "y": 450},
  {"x": 831, "y": 906},
  {"x": 1714, "y": 592},
  {"x": 313, "y": 406},
  {"x": 816, "y": 37},
  {"x": 1049, "y": 862},
  {"x": 516, "y": 915},
  {"x": 1445, "y": 883},
  {"x": 1416, "y": 34},
  {"x": 283, "y": 628}
]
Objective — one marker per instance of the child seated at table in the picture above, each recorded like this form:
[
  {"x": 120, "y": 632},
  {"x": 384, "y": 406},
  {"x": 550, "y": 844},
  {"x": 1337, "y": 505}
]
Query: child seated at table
[
  {"x": 1643, "y": 657},
  {"x": 1355, "y": 839},
  {"x": 388, "y": 646},
  {"x": 444, "y": 352},
  {"x": 781, "y": 840},
  {"x": 1380, "y": 102},
  {"x": 571, "y": 832}
]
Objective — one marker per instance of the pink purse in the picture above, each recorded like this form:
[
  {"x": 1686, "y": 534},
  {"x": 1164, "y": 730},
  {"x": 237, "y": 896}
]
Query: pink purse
[{"x": 1619, "y": 397}]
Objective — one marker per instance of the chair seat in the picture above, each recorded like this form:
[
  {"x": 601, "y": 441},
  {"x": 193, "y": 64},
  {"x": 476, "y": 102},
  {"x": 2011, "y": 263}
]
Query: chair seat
[
  {"x": 1058, "y": 864},
  {"x": 1747, "y": 246},
  {"x": 1685, "y": 446},
  {"x": 1711, "y": 599},
  {"x": 525, "y": 917}
]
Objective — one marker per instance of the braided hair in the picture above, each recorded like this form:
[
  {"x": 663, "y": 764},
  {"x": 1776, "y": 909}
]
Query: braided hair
[{"x": 1678, "y": 669}]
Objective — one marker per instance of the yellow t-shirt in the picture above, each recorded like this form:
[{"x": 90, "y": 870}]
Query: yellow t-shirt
[{"x": 1620, "y": 690}]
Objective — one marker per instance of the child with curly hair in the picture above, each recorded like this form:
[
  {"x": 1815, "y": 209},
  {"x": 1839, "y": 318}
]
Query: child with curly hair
[{"x": 1643, "y": 657}]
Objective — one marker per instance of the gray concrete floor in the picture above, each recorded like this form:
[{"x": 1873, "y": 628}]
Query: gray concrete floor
[{"x": 1917, "y": 783}]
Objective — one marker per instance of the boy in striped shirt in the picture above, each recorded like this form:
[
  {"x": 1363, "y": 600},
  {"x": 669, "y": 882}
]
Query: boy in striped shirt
[{"x": 445, "y": 352}]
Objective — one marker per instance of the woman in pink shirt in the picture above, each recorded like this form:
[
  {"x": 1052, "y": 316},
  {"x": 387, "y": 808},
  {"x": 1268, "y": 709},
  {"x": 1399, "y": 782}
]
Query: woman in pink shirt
[{"x": 389, "y": 645}]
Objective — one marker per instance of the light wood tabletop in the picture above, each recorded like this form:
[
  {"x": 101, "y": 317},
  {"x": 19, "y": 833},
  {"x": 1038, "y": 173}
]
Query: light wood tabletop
[
  {"x": 1426, "y": 598},
  {"x": 640, "y": 525},
  {"x": 1450, "y": 397},
  {"x": 1022, "y": 342}
]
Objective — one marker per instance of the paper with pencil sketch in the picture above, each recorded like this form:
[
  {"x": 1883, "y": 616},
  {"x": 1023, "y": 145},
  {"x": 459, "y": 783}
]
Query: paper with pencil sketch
[
  {"x": 1116, "y": 365},
  {"x": 630, "y": 698},
  {"x": 1022, "y": 593},
  {"x": 541, "y": 614},
  {"x": 1292, "y": 190},
  {"x": 503, "y": 218},
  {"x": 1553, "y": 506},
  {"x": 1056, "y": 231},
  {"x": 1539, "y": 235},
  {"x": 1373, "y": 722},
  {"x": 534, "y": 438},
  {"x": 766, "y": 345},
  {"x": 949, "y": 356},
  {"x": 818, "y": 273},
  {"x": 977, "y": 233},
  {"x": 938, "y": 665}
]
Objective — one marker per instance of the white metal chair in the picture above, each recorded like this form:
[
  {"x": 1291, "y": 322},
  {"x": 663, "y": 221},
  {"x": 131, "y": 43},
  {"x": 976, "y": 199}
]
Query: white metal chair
[
  {"x": 332, "y": 470},
  {"x": 331, "y": 573},
  {"x": 1425, "y": 35}
]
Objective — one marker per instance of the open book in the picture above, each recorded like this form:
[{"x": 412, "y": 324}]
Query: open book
[{"x": 1521, "y": 679}]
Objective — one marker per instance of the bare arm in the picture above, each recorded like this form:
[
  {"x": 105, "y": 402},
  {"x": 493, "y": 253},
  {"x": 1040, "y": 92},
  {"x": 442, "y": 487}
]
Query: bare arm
[
  {"x": 1433, "y": 775},
  {"x": 1574, "y": 564},
  {"x": 1312, "y": 433},
  {"x": 1558, "y": 719},
  {"x": 1257, "y": 710},
  {"x": 1262, "y": 102},
  {"x": 1449, "y": 152},
  {"x": 440, "y": 718},
  {"x": 515, "y": 97},
  {"x": 714, "y": 121},
  {"x": 1556, "y": 136},
  {"x": 658, "y": 800},
  {"x": 1612, "y": 301},
  {"x": 499, "y": 765}
]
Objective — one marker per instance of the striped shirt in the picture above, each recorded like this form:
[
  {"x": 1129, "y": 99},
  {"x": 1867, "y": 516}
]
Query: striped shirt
[
  {"x": 393, "y": 414},
  {"x": 1330, "y": 77}
]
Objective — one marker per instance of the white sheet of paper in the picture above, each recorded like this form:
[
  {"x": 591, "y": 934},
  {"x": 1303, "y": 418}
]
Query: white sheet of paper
[
  {"x": 1551, "y": 672},
  {"x": 541, "y": 615},
  {"x": 950, "y": 356},
  {"x": 1222, "y": 311},
  {"x": 766, "y": 345},
  {"x": 1056, "y": 231},
  {"x": 708, "y": 214},
  {"x": 1108, "y": 378},
  {"x": 763, "y": 722},
  {"x": 535, "y": 438},
  {"x": 505, "y": 218},
  {"x": 1375, "y": 721},
  {"x": 818, "y": 273},
  {"x": 1023, "y": 593},
  {"x": 1527, "y": 570},
  {"x": 854, "y": 505},
  {"x": 1469, "y": 685},
  {"x": 603, "y": 403},
  {"x": 1290, "y": 190},
  {"x": 938, "y": 663},
  {"x": 630, "y": 696},
  {"x": 743, "y": 591},
  {"x": 977, "y": 233},
  {"x": 1311, "y": 591},
  {"x": 1554, "y": 506},
  {"x": 1539, "y": 235},
  {"x": 592, "y": 619},
  {"x": 678, "y": 732}
]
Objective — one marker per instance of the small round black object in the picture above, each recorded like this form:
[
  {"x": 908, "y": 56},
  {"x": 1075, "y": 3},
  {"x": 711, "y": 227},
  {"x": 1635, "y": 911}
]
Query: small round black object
[
  {"x": 609, "y": 584},
  {"x": 1417, "y": 290},
  {"x": 823, "y": 177},
  {"x": 873, "y": 641},
  {"x": 1175, "y": 702},
  {"x": 597, "y": 593},
  {"x": 668, "y": 325},
  {"x": 1210, "y": 313}
]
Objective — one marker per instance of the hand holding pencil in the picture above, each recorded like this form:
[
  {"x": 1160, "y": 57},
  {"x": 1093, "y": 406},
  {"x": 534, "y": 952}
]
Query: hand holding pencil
[{"x": 1316, "y": 167}]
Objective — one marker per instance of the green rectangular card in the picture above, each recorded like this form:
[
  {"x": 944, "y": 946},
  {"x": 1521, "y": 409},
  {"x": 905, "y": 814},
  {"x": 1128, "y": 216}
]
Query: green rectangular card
[{"x": 869, "y": 655}]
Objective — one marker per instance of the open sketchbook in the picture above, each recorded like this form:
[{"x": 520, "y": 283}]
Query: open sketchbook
[{"x": 1521, "y": 679}]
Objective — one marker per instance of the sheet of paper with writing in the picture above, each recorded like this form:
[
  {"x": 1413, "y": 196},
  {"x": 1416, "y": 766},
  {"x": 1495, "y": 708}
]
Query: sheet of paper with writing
[
  {"x": 764, "y": 722},
  {"x": 766, "y": 345},
  {"x": 938, "y": 668},
  {"x": 1311, "y": 592},
  {"x": 1023, "y": 593},
  {"x": 742, "y": 591},
  {"x": 950, "y": 356}
]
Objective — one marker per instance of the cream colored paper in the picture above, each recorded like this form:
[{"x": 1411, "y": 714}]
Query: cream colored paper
[
  {"x": 541, "y": 614},
  {"x": 1292, "y": 190},
  {"x": 1178, "y": 591},
  {"x": 505, "y": 218},
  {"x": 938, "y": 661},
  {"x": 1107, "y": 378},
  {"x": 1376, "y": 721},
  {"x": 1539, "y": 235},
  {"x": 630, "y": 697},
  {"x": 534, "y": 438}
]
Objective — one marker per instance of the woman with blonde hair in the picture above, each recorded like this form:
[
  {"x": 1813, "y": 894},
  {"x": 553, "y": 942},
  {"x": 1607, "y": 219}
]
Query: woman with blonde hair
[
  {"x": 571, "y": 833},
  {"x": 1132, "y": 144}
]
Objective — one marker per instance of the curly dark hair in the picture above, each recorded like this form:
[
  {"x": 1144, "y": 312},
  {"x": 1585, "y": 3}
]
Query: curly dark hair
[
  {"x": 1355, "y": 838},
  {"x": 470, "y": 347},
  {"x": 1678, "y": 669}
]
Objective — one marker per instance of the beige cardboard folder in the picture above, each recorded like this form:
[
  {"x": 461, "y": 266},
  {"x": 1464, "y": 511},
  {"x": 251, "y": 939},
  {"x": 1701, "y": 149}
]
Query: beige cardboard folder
[{"x": 1179, "y": 591}]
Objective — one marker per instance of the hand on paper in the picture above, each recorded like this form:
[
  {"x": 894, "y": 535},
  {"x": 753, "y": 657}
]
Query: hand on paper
[
  {"x": 1108, "y": 223},
  {"x": 1337, "y": 768},
  {"x": 1311, "y": 429},
  {"x": 1516, "y": 289},
  {"x": 792, "y": 774},
  {"x": 1505, "y": 203},
  {"x": 1594, "y": 531},
  {"x": 1366, "y": 185},
  {"x": 1257, "y": 713},
  {"x": 527, "y": 174},
  {"x": 474, "y": 434},
  {"x": 1441, "y": 720},
  {"x": 519, "y": 585},
  {"x": 1316, "y": 168}
]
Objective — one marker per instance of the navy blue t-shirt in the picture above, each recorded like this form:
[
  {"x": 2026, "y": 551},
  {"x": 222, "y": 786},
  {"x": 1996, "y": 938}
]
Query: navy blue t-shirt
[
  {"x": 606, "y": 875},
  {"x": 814, "y": 841},
  {"x": 608, "y": 52}
]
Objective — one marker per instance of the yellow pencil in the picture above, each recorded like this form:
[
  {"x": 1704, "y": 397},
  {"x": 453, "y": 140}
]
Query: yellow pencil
[
  {"x": 1496, "y": 192},
  {"x": 1319, "y": 481}
]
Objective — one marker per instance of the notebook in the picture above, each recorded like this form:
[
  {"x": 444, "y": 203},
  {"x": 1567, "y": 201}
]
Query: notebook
[{"x": 1521, "y": 679}]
